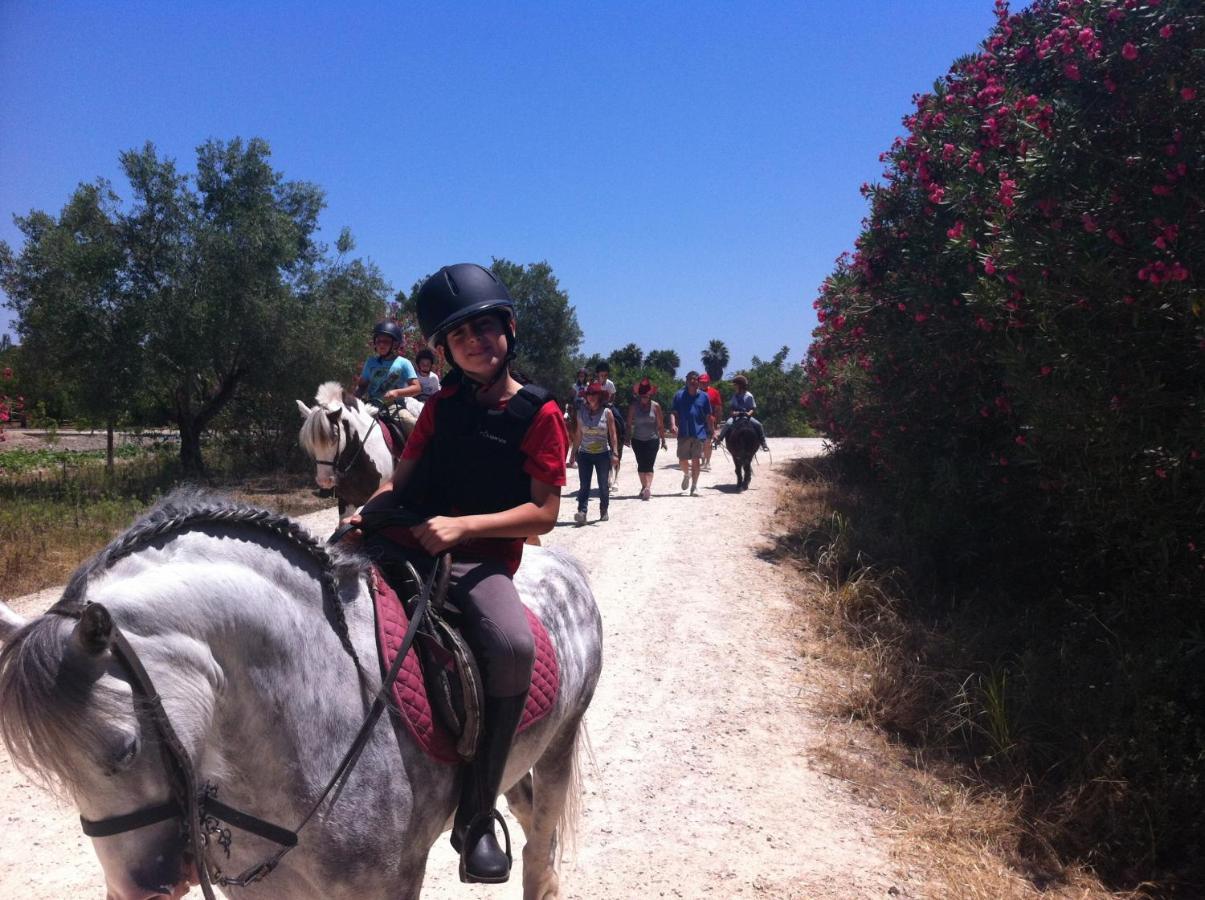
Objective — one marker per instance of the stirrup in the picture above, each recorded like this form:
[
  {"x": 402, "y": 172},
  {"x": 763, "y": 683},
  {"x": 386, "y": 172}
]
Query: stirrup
[{"x": 465, "y": 875}]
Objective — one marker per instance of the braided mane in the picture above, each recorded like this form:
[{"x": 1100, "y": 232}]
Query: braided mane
[{"x": 186, "y": 509}]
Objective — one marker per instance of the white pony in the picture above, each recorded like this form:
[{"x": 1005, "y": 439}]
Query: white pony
[
  {"x": 259, "y": 644},
  {"x": 344, "y": 437}
]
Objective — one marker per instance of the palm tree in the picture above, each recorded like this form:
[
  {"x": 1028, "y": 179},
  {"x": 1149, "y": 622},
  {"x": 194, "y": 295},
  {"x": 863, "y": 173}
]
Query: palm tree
[{"x": 714, "y": 359}]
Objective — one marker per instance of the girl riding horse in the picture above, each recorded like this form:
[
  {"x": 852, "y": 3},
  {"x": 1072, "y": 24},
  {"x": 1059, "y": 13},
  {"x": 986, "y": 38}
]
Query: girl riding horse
[{"x": 486, "y": 462}]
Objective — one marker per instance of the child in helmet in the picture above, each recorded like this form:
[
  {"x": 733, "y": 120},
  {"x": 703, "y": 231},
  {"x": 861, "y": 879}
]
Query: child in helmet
[
  {"x": 486, "y": 462},
  {"x": 428, "y": 381},
  {"x": 387, "y": 377}
]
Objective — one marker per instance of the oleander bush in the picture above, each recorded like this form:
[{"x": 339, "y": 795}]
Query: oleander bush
[{"x": 1015, "y": 349}]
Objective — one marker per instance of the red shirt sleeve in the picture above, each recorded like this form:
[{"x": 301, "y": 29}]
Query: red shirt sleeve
[
  {"x": 423, "y": 430},
  {"x": 545, "y": 445}
]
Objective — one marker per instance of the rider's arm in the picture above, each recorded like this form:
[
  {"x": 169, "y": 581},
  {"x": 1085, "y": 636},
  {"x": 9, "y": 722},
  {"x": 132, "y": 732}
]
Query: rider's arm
[
  {"x": 538, "y": 516},
  {"x": 412, "y": 389}
]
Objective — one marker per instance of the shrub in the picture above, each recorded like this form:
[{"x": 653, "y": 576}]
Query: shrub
[{"x": 1015, "y": 346}]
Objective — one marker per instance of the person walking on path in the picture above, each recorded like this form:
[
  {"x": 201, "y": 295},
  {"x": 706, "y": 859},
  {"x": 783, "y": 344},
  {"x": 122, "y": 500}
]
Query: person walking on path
[
  {"x": 717, "y": 404},
  {"x": 646, "y": 429},
  {"x": 742, "y": 404},
  {"x": 595, "y": 439},
  {"x": 691, "y": 420},
  {"x": 578, "y": 402}
]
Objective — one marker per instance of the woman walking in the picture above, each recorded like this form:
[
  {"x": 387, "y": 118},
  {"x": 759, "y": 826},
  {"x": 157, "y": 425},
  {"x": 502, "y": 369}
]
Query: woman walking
[
  {"x": 594, "y": 437},
  {"x": 646, "y": 426}
]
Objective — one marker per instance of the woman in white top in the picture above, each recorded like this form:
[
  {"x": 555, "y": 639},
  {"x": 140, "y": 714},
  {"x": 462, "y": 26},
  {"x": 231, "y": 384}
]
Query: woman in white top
[{"x": 594, "y": 437}]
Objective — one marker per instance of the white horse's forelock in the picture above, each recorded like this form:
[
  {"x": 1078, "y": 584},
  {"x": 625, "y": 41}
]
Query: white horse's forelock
[{"x": 330, "y": 395}]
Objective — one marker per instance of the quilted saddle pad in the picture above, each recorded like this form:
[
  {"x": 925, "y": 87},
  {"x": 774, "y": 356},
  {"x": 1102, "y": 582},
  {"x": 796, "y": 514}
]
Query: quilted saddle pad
[{"x": 410, "y": 694}]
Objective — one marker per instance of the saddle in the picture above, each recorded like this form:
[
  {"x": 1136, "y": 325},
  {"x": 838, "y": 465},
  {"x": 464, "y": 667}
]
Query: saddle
[
  {"x": 396, "y": 426},
  {"x": 439, "y": 692}
]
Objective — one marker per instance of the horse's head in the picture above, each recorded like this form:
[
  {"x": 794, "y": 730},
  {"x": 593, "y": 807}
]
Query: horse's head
[
  {"x": 70, "y": 719},
  {"x": 327, "y": 428}
]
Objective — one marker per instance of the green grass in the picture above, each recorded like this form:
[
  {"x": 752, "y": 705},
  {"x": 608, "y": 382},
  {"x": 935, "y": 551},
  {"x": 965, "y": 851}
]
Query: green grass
[{"x": 20, "y": 462}]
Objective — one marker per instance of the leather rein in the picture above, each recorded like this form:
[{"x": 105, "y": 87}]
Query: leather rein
[{"x": 200, "y": 813}]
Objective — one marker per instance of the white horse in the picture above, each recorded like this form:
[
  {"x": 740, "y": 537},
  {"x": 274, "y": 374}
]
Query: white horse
[
  {"x": 344, "y": 437},
  {"x": 236, "y": 615}
]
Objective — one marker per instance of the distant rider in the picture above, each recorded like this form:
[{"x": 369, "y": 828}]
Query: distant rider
[
  {"x": 387, "y": 377},
  {"x": 742, "y": 404}
]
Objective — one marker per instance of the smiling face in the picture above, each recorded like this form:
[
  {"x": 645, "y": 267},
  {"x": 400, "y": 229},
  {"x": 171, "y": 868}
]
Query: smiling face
[
  {"x": 382, "y": 344},
  {"x": 478, "y": 345}
]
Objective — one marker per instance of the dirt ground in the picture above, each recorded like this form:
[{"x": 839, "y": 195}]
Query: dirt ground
[
  {"x": 702, "y": 727},
  {"x": 68, "y": 439}
]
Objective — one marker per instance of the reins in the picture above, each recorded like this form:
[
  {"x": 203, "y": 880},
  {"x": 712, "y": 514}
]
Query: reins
[{"x": 201, "y": 813}]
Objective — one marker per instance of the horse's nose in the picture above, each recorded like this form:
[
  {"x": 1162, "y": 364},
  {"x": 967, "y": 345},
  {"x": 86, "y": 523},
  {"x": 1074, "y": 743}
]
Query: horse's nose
[{"x": 326, "y": 482}]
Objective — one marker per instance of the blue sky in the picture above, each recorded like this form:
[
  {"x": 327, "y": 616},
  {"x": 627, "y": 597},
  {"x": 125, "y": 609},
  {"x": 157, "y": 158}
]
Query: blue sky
[{"x": 689, "y": 170}]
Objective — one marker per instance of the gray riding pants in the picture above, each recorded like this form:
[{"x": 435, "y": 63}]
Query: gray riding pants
[{"x": 494, "y": 625}]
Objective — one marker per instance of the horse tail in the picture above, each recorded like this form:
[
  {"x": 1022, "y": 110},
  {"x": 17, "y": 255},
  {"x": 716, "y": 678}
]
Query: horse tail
[{"x": 570, "y": 820}]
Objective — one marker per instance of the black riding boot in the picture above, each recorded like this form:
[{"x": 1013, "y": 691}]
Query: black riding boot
[{"x": 482, "y": 859}]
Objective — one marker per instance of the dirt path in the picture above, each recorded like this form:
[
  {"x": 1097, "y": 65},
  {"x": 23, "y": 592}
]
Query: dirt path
[{"x": 701, "y": 785}]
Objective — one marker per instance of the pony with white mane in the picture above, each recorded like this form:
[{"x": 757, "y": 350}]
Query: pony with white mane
[
  {"x": 258, "y": 661},
  {"x": 345, "y": 437}
]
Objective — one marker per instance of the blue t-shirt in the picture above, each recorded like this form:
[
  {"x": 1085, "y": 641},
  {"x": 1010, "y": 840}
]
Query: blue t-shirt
[
  {"x": 386, "y": 375},
  {"x": 742, "y": 403},
  {"x": 692, "y": 413}
]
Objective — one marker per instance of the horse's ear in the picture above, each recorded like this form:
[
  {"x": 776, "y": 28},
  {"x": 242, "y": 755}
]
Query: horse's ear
[
  {"x": 305, "y": 410},
  {"x": 350, "y": 401},
  {"x": 10, "y": 622},
  {"x": 94, "y": 632}
]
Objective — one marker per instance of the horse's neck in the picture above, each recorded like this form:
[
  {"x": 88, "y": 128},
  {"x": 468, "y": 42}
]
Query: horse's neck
[
  {"x": 258, "y": 609},
  {"x": 375, "y": 446}
]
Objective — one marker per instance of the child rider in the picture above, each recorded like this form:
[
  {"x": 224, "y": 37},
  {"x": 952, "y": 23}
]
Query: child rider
[
  {"x": 487, "y": 462},
  {"x": 387, "y": 377}
]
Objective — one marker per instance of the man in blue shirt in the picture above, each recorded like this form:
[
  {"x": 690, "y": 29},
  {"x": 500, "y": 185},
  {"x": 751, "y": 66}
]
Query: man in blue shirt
[
  {"x": 691, "y": 420},
  {"x": 387, "y": 377}
]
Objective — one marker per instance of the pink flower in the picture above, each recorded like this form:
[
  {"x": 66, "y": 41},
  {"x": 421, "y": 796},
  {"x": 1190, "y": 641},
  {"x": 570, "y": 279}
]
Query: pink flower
[
  {"x": 989, "y": 266},
  {"x": 1127, "y": 300},
  {"x": 1129, "y": 51},
  {"x": 8, "y": 374},
  {"x": 1071, "y": 70},
  {"x": 1166, "y": 31},
  {"x": 1020, "y": 441},
  {"x": 920, "y": 317},
  {"x": 1089, "y": 223},
  {"x": 1045, "y": 370},
  {"x": 1187, "y": 93},
  {"x": 1161, "y": 473}
]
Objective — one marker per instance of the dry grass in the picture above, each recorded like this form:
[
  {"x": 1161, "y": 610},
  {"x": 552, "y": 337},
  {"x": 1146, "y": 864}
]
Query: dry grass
[
  {"x": 966, "y": 838},
  {"x": 48, "y": 527}
]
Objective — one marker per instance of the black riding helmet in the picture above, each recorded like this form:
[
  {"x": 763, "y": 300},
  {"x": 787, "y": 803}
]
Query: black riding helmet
[
  {"x": 455, "y": 294},
  {"x": 389, "y": 329}
]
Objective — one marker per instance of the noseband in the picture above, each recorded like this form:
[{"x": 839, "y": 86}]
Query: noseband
[{"x": 198, "y": 810}]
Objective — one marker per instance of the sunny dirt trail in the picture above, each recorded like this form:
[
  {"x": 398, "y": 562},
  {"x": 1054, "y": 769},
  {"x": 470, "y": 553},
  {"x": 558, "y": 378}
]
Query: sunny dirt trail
[{"x": 701, "y": 784}]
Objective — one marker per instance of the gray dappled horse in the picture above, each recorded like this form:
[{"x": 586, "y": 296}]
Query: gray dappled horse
[
  {"x": 344, "y": 437},
  {"x": 742, "y": 445},
  {"x": 235, "y": 614}
]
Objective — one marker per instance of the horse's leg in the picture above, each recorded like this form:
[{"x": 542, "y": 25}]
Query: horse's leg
[
  {"x": 519, "y": 800},
  {"x": 554, "y": 779}
]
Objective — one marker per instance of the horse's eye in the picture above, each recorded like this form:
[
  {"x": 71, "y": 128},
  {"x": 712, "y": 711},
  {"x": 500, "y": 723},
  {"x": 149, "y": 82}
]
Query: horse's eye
[{"x": 124, "y": 758}]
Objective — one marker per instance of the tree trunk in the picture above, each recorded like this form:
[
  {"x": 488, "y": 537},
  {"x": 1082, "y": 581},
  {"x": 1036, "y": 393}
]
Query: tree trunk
[
  {"x": 109, "y": 448},
  {"x": 190, "y": 446}
]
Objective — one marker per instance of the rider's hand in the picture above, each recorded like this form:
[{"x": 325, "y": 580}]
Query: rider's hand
[{"x": 440, "y": 533}]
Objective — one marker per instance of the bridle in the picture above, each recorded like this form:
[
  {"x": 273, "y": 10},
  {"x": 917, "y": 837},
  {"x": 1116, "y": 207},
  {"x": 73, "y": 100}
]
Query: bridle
[
  {"x": 201, "y": 815},
  {"x": 351, "y": 442}
]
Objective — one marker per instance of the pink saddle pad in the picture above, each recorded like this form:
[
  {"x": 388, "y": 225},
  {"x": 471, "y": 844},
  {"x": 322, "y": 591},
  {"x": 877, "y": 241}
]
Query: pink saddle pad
[{"x": 410, "y": 695}]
